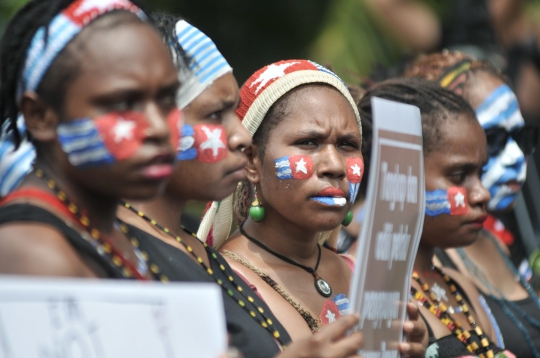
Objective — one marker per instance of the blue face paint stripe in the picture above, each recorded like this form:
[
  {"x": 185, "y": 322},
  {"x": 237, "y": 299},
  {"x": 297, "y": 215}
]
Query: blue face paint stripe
[
  {"x": 353, "y": 191},
  {"x": 191, "y": 152},
  {"x": 327, "y": 200},
  {"x": 283, "y": 168},
  {"x": 493, "y": 97},
  {"x": 511, "y": 110},
  {"x": 437, "y": 202}
]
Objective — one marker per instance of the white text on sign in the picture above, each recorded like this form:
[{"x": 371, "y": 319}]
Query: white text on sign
[{"x": 397, "y": 187}]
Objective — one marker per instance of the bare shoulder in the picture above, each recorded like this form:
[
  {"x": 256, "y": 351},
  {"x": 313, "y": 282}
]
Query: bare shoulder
[{"x": 38, "y": 249}]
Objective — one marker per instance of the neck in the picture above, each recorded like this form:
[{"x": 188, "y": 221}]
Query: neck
[
  {"x": 286, "y": 239},
  {"x": 166, "y": 210},
  {"x": 424, "y": 259},
  {"x": 100, "y": 209}
]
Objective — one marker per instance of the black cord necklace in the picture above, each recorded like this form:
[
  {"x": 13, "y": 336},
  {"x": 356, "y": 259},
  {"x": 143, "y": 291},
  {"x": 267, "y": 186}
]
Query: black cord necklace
[{"x": 321, "y": 285}]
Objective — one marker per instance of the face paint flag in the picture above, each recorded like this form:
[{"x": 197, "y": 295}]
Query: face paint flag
[
  {"x": 174, "y": 122},
  {"x": 451, "y": 202},
  {"x": 210, "y": 141},
  {"x": 186, "y": 147},
  {"x": 294, "y": 167},
  {"x": 328, "y": 200},
  {"x": 355, "y": 171},
  {"x": 103, "y": 140}
]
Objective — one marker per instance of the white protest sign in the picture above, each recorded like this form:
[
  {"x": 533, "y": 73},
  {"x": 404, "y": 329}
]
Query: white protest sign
[
  {"x": 70, "y": 318},
  {"x": 392, "y": 227}
]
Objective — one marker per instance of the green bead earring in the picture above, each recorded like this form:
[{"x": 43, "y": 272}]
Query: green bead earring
[
  {"x": 348, "y": 219},
  {"x": 256, "y": 211}
]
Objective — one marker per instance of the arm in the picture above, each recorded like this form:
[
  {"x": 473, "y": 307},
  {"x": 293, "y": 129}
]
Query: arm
[
  {"x": 409, "y": 21},
  {"x": 37, "y": 249}
]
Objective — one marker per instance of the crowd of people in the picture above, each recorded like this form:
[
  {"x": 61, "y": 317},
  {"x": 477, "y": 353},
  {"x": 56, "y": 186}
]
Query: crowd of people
[{"x": 113, "y": 119}]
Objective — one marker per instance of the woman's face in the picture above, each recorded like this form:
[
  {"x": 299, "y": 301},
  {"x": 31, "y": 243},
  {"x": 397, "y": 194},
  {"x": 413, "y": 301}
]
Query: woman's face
[
  {"x": 321, "y": 139},
  {"x": 213, "y": 177},
  {"x": 453, "y": 173},
  {"x": 123, "y": 69},
  {"x": 497, "y": 110}
]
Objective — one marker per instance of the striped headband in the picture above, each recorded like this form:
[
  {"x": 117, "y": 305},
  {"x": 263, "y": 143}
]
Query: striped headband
[
  {"x": 206, "y": 65},
  {"x": 257, "y": 95},
  {"x": 48, "y": 42}
]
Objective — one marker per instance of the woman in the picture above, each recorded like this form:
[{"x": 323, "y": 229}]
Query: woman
[
  {"x": 454, "y": 154},
  {"x": 209, "y": 97},
  {"x": 100, "y": 129},
  {"x": 306, "y": 131},
  {"x": 513, "y": 302}
]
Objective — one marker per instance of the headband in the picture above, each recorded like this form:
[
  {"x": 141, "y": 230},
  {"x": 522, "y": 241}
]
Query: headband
[
  {"x": 206, "y": 65},
  {"x": 452, "y": 73},
  {"x": 257, "y": 95},
  {"x": 49, "y": 41}
]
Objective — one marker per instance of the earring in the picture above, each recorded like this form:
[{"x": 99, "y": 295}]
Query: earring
[
  {"x": 256, "y": 211},
  {"x": 348, "y": 219}
]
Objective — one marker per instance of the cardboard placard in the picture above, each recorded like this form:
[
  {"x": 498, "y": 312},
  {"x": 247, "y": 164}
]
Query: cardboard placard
[
  {"x": 72, "y": 318},
  {"x": 392, "y": 227}
]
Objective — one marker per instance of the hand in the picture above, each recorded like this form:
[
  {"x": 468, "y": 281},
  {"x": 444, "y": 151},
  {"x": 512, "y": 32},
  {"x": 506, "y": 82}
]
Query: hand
[
  {"x": 330, "y": 342},
  {"x": 416, "y": 332}
]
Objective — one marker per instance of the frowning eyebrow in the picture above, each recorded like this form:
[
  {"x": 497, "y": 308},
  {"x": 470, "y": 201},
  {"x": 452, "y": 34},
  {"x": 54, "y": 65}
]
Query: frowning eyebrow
[{"x": 311, "y": 133}]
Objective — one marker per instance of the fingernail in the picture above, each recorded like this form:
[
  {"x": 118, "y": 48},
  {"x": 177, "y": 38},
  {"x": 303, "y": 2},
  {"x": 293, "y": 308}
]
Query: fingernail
[
  {"x": 405, "y": 347},
  {"x": 408, "y": 326}
]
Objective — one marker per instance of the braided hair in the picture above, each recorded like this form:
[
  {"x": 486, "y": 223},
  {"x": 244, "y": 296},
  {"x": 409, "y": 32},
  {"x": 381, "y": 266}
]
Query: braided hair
[
  {"x": 166, "y": 24},
  {"x": 437, "y": 106},
  {"x": 432, "y": 67},
  {"x": 14, "y": 46}
]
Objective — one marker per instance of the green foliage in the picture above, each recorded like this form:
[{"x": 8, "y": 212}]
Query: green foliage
[{"x": 7, "y": 9}]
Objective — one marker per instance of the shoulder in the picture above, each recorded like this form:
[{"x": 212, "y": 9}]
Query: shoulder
[{"x": 38, "y": 249}]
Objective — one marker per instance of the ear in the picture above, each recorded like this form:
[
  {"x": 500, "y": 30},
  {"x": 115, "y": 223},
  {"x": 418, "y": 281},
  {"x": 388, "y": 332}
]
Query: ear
[
  {"x": 40, "y": 118},
  {"x": 253, "y": 168}
]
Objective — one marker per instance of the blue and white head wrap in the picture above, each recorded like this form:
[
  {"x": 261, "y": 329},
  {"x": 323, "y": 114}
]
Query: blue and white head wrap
[
  {"x": 61, "y": 30},
  {"x": 207, "y": 63}
]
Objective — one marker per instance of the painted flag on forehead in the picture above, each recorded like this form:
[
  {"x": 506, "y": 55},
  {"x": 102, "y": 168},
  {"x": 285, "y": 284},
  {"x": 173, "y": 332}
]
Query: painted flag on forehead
[
  {"x": 294, "y": 167},
  {"x": 103, "y": 140},
  {"x": 451, "y": 202},
  {"x": 355, "y": 171},
  {"x": 501, "y": 108}
]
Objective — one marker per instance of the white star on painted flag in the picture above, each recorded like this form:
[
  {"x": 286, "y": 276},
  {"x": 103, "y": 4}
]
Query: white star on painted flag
[
  {"x": 123, "y": 130},
  {"x": 213, "y": 140},
  {"x": 271, "y": 72},
  {"x": 459, "y": 200},
  {"x": 301, "y": 166},
  {"x": 88, "y": 5},
  {"x": 355, "y": 169},
  {"x": 331, "y": 316}
]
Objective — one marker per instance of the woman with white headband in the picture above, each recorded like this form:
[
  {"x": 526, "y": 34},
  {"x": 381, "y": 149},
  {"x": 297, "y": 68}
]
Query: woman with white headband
[
  {"x": 62, "y": 67},
  {"x": 303, "y": 174},
  {"x": 211, "y": 163}
]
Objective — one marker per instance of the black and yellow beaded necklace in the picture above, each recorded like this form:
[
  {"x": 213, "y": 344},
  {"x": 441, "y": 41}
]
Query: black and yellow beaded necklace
[
  {"x": 266, "y": 322},
  {"x": 441, "y": 312},
  {"x": 101, "y": 243}
]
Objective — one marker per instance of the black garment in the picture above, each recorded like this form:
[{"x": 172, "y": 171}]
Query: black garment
[
  {"x": 247, "y": 335},
  {"x": 513, "y": 339},
  {"x": 31, "y": 213}
]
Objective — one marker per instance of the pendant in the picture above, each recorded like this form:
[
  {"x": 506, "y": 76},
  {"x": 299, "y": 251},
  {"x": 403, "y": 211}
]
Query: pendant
[{"x": 323, "y": 287}]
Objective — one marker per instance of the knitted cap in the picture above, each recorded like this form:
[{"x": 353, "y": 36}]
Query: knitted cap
[
  {"x": 207, "y": 63},
  {"x": 257, "y": 95}
]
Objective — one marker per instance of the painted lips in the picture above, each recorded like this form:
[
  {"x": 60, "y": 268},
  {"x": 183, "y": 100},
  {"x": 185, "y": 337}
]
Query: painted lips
[{"x": 331, "y": 196}]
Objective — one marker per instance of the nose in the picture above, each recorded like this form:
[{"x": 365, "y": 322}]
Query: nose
[
  {"x": 238, "y": 136},
  {"x": 332, "y": 163},
  {"x": 479, "y": 195},
  {"x": 157, "y": 129}
]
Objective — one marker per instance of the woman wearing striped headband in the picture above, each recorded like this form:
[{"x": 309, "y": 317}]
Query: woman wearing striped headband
[
  {"x": 512, "y": 301},
  {"x": 96, "y": 87},
  {"x": 304, "y": 169},
  {"x": 211, "y": 163}
]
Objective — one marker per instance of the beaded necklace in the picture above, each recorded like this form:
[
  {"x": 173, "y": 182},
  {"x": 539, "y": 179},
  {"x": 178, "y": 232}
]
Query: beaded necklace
[
  {"x": 445, "y": 317},
  {"x": 265, "y": 323},
  {"x": 101, "y": 243}
]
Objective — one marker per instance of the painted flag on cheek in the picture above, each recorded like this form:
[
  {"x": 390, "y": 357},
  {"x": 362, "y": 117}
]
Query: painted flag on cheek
[
  {"x": 355, "y": 171},
  {"x": 451, "y": 202},
  {"x": 186, "y": 147},
  {"x": 102, "y": 140},
  {"x": 294, "y": 167},
  {"x": 210, "y": 141}
]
